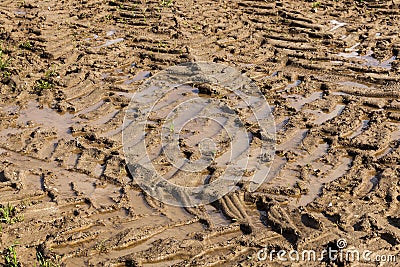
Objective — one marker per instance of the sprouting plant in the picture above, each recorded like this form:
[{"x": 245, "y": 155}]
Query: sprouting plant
[
  {"x": 172, "y": 127},
  {"x": 51, "y": 73},
  {"x": 26, "y": 45},
  {"x": 6, "y": 74},
  {"x": 10, "y": 257},
  {"x": 4, "y": 63},
  {"x": 122, "y": 170},
  {"x": 45, "y": 262},
  {"x": 196, "y": 27},
  {"x": 43, "y": 84},
  {"x": 162, "y": 44},
  {"x": 144, "y": 13},
  {"x": 7, "y": 215},
  {"x": 316, "y": 4},
  {"x": 166, "y": 3}
]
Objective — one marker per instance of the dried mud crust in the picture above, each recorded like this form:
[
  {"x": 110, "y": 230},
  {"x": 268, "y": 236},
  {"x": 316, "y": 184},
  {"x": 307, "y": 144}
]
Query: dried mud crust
[{"x": 67, "y": 74}]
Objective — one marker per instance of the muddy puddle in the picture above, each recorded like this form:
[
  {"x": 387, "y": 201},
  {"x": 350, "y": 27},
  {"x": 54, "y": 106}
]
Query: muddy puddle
[
  {"x": 34, "y": 116},
  {"x": 368, "y": 60},
  {"x": 330, "y": 71}
]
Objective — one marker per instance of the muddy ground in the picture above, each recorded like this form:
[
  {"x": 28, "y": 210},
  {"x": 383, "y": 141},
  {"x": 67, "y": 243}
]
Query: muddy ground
[{"x": 329, "y": 70}]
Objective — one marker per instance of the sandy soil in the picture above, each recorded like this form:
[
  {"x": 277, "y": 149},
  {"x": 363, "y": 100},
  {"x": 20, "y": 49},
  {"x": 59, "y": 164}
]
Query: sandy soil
[{"x": 329, "y": 70}]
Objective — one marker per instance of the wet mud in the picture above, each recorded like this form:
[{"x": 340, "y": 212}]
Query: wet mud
[{"x": 330, "y": 73}]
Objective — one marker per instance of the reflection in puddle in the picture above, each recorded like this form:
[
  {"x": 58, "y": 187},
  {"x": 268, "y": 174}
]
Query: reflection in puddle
[
  {"x": 110, "y": 33},
  {"x": 369, "y": 60},
  {"x": 47, "y": 117},
  {"x": 353, "y": 48},
  {"x": 95, "y": 36},
  {"x": 216, "y": 216},
  {"x": 279, "y": 125},
  {"x": 337, "y": 25},
  {"x": 139, "y": 76},
  {"x": 323, "y": 117},
  {"x": 111, "y": 42},
  {"x": 374, "y": 183},
  {"x": 98, "y": 170},
  {"x": 296, "y": 83},
  {"x": 10, "y": 109},
  {"x": 19, "y": 12},
  {"x": 299, "y": 101},
  {"x": 317, "y": 183}
]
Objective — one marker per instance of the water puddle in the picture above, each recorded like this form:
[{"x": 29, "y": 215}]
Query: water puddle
[
  {"x": 142, "y": 75},
  {"x": 19, "y": 12},
  {"x": 336, "y": 25},
  {"x": 279, "y": 125},
  {"x": 292, "y": 85},
  {"x": 374, "y": 183},
  {"x": 95, "y": 36},
  {"x": 127, "y": 95},
  {"x": 293, "y": 142},
  {"x": 47, "y": 117},
  {"x": 353, "y": 48},
  {"x": 10, "y": 109},
  {"x": 384, "y": 152},
  {"x": 396, "y": 135},
  {"x": 111, "y": 42},
  {"x": 99, "y": 39},
  {"x": 274, "y": 74},
  {"x": 216, "y": 216},
  {"x": 340, "y": 93},
  {"x": 99, "y": 170},
  {"x": 316, "y": 184},
  {"x": 276, "y": 167},
  {"x": 323, "y": 117},
  {"x": 110, "y": 33},
  {"x": 299, "y": 101},
  {"x": 368, "y": 59}
]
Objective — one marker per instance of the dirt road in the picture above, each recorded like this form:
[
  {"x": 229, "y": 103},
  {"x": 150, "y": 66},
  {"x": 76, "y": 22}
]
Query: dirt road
[{"x": 329, "y": 70}]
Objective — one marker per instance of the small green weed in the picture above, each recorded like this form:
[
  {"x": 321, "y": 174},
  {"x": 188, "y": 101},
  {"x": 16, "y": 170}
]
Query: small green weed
[
  {"x": 316, "y": 5},
  {"x": 43, "y": 84},
  {"x": 45, "y": 262},
  {"x": 8, "y": 214},
  {"x": 10, "y": 257},
  {"x": 26, "y": 45},
  {"x": 4, "y": 63},
  {"x": 166, "y": 3},
  {"x": 51, "y": 73}
]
